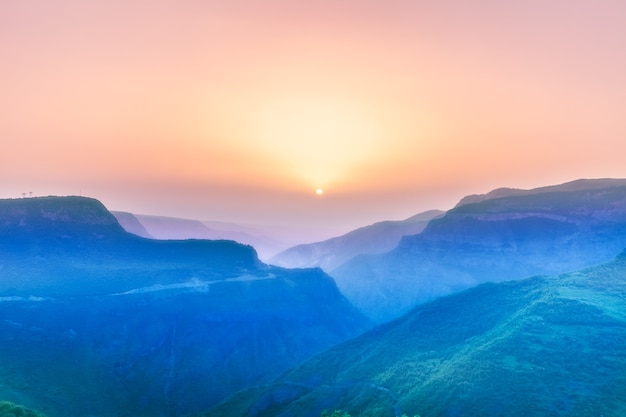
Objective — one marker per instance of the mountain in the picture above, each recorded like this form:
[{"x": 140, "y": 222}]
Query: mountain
[
  {"x": 544, "y": 346},
  {"x": 377, "y": 238},
  {"x": 173, "y": 228},
  {"x": 544, "y": 231},
  {"x": 64, "y": 246},
  {"x": 97, "y": 321}
]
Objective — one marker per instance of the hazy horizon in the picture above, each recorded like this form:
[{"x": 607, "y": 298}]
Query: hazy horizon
[{"x": 239, "y": 111}]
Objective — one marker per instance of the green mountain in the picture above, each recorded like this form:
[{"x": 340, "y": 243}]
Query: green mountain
[
  {"x": 544, "y": 346},
  {"x": 95, "y": 321}
]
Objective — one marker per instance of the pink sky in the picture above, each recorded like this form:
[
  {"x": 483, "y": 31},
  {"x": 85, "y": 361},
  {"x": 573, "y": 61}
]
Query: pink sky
[{"x": 240, "y": 110}]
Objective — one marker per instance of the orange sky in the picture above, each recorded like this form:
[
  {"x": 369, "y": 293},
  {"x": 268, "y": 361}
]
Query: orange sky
[{"x": 240, "y": 110}]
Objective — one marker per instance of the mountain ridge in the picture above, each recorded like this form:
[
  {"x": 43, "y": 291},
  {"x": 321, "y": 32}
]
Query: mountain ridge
[{"x": 575, "y": 185}]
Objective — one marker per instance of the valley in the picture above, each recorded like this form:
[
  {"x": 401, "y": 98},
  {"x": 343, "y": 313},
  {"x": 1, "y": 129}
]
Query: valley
[{"x": 508, "y": 304}]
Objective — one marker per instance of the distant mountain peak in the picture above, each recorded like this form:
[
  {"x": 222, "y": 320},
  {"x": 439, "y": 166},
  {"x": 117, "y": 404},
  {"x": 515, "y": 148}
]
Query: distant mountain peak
[{"x": 376, "y": 238}]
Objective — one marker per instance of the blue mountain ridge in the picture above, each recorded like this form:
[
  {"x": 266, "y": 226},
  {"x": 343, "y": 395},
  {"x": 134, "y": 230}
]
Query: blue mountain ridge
[
  {"x": 513, "y": 235},
  {"x": 97, "y": 321}
]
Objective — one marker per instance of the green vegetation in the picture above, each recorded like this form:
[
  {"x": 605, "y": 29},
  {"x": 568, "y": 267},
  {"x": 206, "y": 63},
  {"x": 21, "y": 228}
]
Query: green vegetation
[
  {"x": 336, "y": 413},
  {"x": 9, "y": 409},
  {"x": 541, "y": 346},
  {"x": 341, "y": 413}
]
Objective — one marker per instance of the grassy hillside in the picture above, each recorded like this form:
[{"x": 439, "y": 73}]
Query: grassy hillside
[{"x": 541, "y": 347}]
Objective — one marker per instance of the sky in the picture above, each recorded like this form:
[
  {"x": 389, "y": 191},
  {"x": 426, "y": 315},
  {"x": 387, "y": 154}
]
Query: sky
[{"x": 238, "y": 111}]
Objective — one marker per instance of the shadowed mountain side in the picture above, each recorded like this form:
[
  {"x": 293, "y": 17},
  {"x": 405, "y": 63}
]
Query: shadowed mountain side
[
  {"x": 166, "y": 351},
  {"x": 102, "y": 322},
  {"x": 491, "y": 240},
  {"x": 377, "y": 238},
  {"x": 540, "y": 347}
]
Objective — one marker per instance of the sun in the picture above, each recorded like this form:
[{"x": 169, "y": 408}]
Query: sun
[{"x": 319, "y": 191}]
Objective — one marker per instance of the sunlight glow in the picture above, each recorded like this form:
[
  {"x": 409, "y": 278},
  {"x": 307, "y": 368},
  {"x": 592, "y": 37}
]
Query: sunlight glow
[{"x": 318, "y": 137}]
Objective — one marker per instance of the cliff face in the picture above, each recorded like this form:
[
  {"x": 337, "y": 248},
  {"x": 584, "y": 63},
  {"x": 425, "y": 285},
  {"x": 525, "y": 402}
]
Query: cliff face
[{"x": 102, "y": 322}]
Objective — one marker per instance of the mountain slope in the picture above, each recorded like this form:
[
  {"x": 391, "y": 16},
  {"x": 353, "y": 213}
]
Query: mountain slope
[
  {"x": 101, "y": 322},
  {"x": 377, "y": 238},
  {"x": 540, "y": 346},
  {"x": 511, "y": 237}
]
